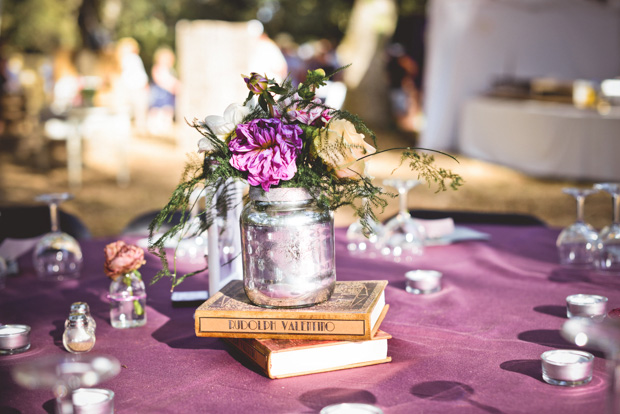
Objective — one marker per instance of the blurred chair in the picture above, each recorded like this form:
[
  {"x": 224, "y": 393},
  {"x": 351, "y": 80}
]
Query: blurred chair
[
  {"x": 21, "y": 222},
  {"x": 139, "y": 226},
  {"x": 468, "y": 217}
]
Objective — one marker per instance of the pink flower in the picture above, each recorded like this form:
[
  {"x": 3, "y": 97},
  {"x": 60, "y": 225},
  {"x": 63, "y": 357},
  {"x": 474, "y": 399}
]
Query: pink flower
[
  {"x": 121, "y": 258},
  {"x": 267, "y": 149},
  {"x": 312, "y": 114}
]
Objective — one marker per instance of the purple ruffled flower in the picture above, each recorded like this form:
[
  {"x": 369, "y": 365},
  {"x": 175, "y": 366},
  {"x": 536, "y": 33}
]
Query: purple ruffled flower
[{"x": 267, "y": 149}]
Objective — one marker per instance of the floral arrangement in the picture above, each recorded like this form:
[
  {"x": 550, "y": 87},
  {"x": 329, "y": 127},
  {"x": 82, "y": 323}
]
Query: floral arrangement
[
  {"x": 283, "y": 136},
  {"x": 122, "y": 259}
]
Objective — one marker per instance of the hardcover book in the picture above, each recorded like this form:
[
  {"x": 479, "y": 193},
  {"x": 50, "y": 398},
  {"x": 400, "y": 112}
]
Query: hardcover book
[
  {"x": 281, "y": 358},
  {"x": 353, "y": 313}
]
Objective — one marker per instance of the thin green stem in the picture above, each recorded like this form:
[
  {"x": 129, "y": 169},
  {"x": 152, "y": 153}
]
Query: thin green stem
[{"x": 410, "y": 149}]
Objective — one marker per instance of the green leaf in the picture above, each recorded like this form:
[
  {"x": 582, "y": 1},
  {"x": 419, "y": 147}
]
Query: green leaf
[{"x": 137, "y": 307}]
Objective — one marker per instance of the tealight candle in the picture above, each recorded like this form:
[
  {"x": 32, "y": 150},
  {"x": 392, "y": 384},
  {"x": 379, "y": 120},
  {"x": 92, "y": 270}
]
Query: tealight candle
[
  {"x": 567, "y": 367},
  {"x": 92, "y": 401},
  {"x": 351, "y": 408},
  {"x": 423, "y": 281},
  {"x": 14, "y": 339},
  {"x": 586, "y": 306}
]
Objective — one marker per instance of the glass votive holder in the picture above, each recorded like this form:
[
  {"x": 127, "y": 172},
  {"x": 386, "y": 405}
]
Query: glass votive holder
[
  {"x": 588, "y": 306},
  {"x": 92, "y": 401},
  {"x": 14, "y": 339},
  {"x": 567, "y": 367},
  {"x": 420, "y": 282},
  {"x": 351, "y": 408}
]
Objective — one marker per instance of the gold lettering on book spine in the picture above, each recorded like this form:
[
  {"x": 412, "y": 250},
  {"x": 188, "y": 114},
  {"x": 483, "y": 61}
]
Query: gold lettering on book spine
[{"x": 283, "y": 326}]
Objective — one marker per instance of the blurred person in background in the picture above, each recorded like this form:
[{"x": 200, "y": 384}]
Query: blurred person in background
[
  {"x": 296, "y": 66},
  {"x": 267, "y": 58},
  {"x": 162, "y": 91},
  {"x": 66, "y": 82},
  {"x": 324, "y": 57},
  {"x": 402, "y": 70},
  {"x": 133, "y": 82}
]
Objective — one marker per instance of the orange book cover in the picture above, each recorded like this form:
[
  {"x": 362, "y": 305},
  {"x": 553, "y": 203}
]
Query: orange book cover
[
  {"x": 353, "y": 313},
  {"x": 282, "y": 358}
]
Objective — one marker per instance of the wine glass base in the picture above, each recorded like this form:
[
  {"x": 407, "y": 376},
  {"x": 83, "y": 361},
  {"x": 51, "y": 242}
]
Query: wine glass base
[{"x": 57, "y": 277}]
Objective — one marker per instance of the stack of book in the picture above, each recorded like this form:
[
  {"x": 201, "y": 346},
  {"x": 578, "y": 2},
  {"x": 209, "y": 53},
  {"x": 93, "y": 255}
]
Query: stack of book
[{"x": 338, "y": 334}]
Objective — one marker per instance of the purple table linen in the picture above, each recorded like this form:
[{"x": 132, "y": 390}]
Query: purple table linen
[{"x": 474, "y": 347}]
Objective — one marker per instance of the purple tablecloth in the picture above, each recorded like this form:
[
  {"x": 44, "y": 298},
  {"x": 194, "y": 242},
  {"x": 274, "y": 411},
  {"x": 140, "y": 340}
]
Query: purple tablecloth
[{"x": 472, "y": 348}]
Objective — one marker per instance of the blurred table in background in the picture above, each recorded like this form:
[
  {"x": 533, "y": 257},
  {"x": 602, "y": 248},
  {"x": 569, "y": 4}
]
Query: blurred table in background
[
  {"x": 106, "y": 129},
  {"x": 545, "y": 139}
]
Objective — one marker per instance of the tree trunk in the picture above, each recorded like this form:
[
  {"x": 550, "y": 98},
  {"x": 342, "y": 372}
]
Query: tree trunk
[{"x": 371, "y": 26}]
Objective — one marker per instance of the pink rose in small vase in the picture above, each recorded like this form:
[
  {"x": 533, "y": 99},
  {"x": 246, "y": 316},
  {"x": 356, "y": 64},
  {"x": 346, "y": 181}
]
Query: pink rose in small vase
[{"x": 122, "y": 258}]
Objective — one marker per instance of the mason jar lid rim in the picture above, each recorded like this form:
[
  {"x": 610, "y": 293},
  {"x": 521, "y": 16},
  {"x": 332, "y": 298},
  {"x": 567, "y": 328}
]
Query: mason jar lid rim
[{"x": 280, "y": 194}]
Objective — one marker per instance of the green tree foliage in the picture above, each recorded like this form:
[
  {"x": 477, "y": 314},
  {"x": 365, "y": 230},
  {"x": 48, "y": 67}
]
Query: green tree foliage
[
  {"x": 40, "y": 25},
  {"x": 45, "y": 25}
]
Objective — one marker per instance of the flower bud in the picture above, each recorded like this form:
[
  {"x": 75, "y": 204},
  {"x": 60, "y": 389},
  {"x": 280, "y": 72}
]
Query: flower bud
[{"x": 256, "y": 83}]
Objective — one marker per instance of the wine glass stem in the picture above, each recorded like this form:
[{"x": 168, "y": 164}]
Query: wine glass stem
[
  {"x": 54, "y": 216},
  {"x": 613, "y": 388},
  {"x": 64, "y": 405},
  {"x": 402, "y": 200},
  {"x": 580, "y": 204}
]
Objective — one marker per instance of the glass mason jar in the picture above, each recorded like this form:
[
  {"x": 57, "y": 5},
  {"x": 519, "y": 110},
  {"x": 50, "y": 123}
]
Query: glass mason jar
[
  {"x": 288, "y": 249},
  {"x": 127, "y": 301}
]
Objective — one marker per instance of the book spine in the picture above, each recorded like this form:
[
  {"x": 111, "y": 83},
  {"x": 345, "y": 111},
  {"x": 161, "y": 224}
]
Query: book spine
[
  {"x": 254, "y": 351},
  {"x": 231, "y": 326}
]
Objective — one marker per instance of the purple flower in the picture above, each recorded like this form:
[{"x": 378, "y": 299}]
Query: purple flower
[
  {"x": 256, "y": 83},
  {"x": 267, "y": 149}
]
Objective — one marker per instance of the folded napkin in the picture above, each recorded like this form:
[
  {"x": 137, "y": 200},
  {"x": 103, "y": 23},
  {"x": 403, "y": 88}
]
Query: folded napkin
[
  {"x": 444, "y": 231},
  {"x": 436, "y": 228},
  {"x": 11, "y": 249}
]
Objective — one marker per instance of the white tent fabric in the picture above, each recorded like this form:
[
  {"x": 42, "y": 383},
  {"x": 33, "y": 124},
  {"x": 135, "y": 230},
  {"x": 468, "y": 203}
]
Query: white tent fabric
[{"x": 471, "y": 43}]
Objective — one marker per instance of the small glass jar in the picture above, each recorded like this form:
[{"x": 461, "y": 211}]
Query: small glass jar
[
  {"x": 288, "y": 249},
  {"x": 78, "y": 336},
  {"x": 127, "y": 301},
  {"x": 84, "y": 309}
]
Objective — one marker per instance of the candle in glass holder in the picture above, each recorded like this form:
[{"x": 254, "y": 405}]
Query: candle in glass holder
[
  {"x": 351, "y": 408},
  {"x": 589, "y": 306},
  {"x": 567, "y": 367},
  {"x": 14, "y": 339},
  {"x": 423, "y": 281},
  {"x": 92, "y": 401}
]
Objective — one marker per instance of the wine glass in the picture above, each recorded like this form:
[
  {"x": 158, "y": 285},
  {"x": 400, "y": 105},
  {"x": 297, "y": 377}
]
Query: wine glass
[
  {"x": 609, "y": 237},
  {"x": 578, "y": 243},
  {"x": 402, "y": 234},
  {"x": 193, "y": 245},
  {"x": 57, "y": 256},
  {"x": 360, "y": 240},
  {"x": 65, "y": 373}
]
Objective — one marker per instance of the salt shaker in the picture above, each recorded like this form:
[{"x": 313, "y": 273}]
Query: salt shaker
[
  {"x": 83, "y": 308},
  {"x": 78, "y": 336}
]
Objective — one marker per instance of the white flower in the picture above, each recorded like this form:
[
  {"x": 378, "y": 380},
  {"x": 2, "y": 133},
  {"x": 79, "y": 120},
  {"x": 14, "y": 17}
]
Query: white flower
[
  {"x": 204, "y": 145},
  {"x": 341, "y": 147},
  {"x": 222, "y": 126}
]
